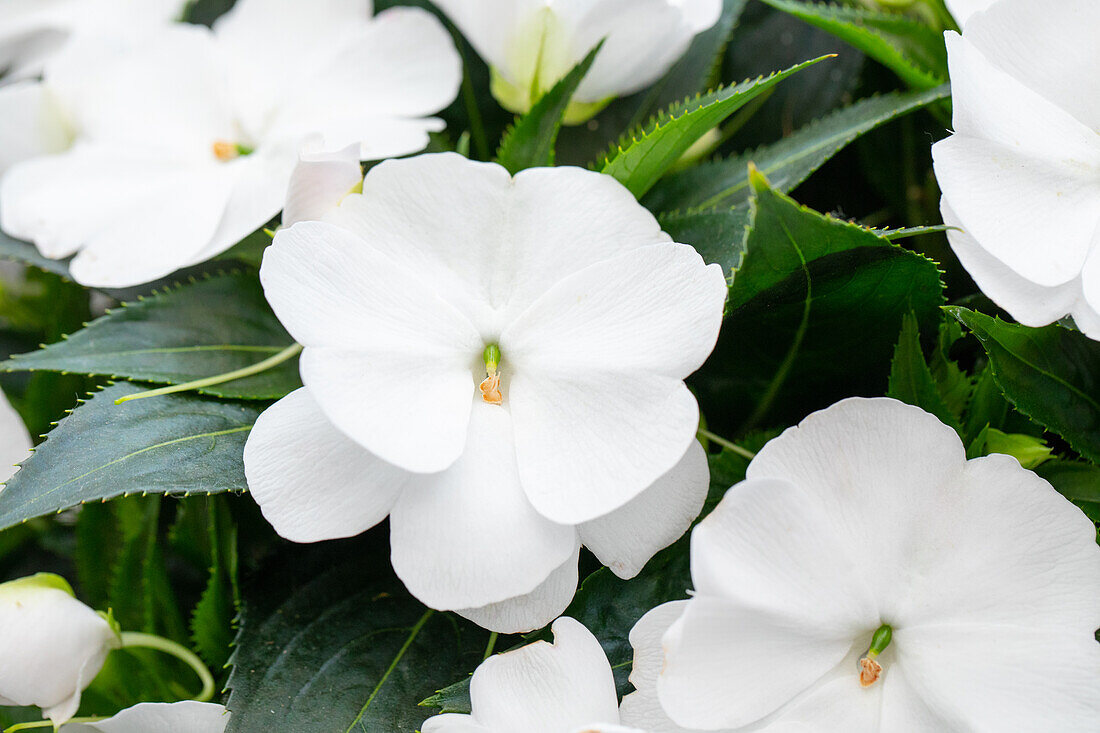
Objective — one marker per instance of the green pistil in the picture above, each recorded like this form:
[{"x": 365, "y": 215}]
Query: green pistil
[{"x": 880, "y": 640}]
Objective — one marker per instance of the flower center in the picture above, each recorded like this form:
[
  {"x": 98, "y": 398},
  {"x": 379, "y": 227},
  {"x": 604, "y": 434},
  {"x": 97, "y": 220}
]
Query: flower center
[
  {"x": 226, "y": 151},
  {"x": 869, "y": 668},
  {"x": 490, "y": 386}
]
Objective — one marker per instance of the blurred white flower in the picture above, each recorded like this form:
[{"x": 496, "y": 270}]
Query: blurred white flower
[
  {"x": 15, "y": 441},
  {"x": 530, "y": 45},
  {"x": 159, "y": 717},
  {"x": 51, "y": 644},
  {"x": 185, "y": 139},
  {"x": 497, "y": 364},
  {"x": 33, "y": 31},
  {"x": 867, "y": 577},
  {"x": 1021, "y": 173},
  {"x": 562, "y": 687}
]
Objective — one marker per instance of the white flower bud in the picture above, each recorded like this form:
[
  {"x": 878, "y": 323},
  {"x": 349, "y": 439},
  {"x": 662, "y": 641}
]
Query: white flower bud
[{"x": 51, "y": 644}]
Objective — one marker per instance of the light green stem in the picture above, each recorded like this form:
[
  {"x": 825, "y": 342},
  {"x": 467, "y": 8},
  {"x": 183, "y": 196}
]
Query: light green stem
[
  {"x": 727, "y": 444},
  {"x": 136, "y": 639},
  {"x": 490, "y": 646},
  {"x": 261, "y": 366}
]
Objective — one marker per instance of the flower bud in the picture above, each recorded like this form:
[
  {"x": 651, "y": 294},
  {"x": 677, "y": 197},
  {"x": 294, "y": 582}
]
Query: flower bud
[{"x": 51, "y": 644}]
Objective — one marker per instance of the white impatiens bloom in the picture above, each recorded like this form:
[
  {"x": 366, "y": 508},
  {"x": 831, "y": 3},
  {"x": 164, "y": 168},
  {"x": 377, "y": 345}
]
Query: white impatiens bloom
[
  {"x": 186, "y": 138},
  {"x": 1021, "y": 173},
  {"x": 564, "y": 687},
  {"x": 51, "y": 644},
  {"x": 530, "y": 45},
  {"x": 159, "y": 717},
  {"x": 497, "y": 364},
  {"x": 867, "y": 577},
  {"x": 33, "y": 31},
  {"x": 15, "y": 441}
]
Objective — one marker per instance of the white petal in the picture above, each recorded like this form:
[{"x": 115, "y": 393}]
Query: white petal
[
  {"x": 587, "y": 445},
  {"x": 642, "y": 707},
  {"x": 534, "y": 610},
  {"x": 656, "y": 309},
  {"x": 882, "y": 468},
  {"x": 544, "y": 688},
  {"x": 15, "y": 441},
  {"x": 31, "y": 123},
  {"x": 312, "y": 482},
  {"x": 727, "y": 665},
  {"x": 467, "y": 536},
  {"x": 307, "y": 35},
  {"x": 386, "y": 359},
  {"x": 963, "y": 10},
  {"x": 320, "y": 182},
  {"x": 187, "y": 716},
  {"x": 59, "y": 202},
  {"x": 1050, "y": 47},
  {"x": 1028, "y": 303},
  {"x": 625, "y": 539},
  {"x": 452, "y": 723},
  {"x": 1019, "y": 170},
  {"x": 700, "y": 14},
  {"x": 490, "y": 25},
  {"x": 184, "y": 213},
  {"x": 402, "y": 66},
  {"x": 52, "y": 646},
  {"x": 1005, "y": 678},
  {"x": 1031, "y": 564},
  {"x": 163, "y": 92},
  {"x": 492, "y": 245}
]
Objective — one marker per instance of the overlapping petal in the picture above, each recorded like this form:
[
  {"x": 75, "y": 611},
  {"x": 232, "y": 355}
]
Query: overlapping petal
[{"x": 186, "y": 716}]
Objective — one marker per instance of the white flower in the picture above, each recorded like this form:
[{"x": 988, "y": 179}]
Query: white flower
[
  {"x": 186, "y": 139},
  {"x": 33, "y": 31},
  {"x": 1021, "y": 173},
  {"x": 159, "y": 717},
  {"x": 530, "y": 45},
  {"x": 562, "y": 687},
  {"x": 868, "y": 516},
  {"x": 15, "y": 441},
  {"x": 51, "y": 644},
  {"x": 497, "y": 364}
]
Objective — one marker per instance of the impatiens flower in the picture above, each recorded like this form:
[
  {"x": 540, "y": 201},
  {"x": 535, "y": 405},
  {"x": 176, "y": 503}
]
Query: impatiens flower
[
  {"x": 530, "y": 45},
  {"x": 867, "y": 577},
  {"x": 564, "y": 687},
  {"x": 51, "y": 644},
  {"x": 32, "y": 31},
  {"x": 186, "y": 138},
  {"x": 158, "y": 717},
  {"x": 1021, "y": 173},
  {"x": 15, "y": 441},
  {"x": 497, "y": 364}
]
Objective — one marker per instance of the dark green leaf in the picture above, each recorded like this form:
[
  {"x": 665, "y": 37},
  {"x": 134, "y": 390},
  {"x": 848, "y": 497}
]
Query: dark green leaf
[
  {"x": 911, "y": 380},
  {"x": 26, "y": 253},
  {"x": 812, "y": 314},
  {"x": 177, "y": 444},
  {"x": 1073, "y": 480},
  {"x": 212, "y": 618},
  {"x": 643, "y": 156},
  {"x": 1050, "y": 374},
  {"x": 209, "y": 327},
  {"x": 719, "y": 236},
  {"x": 724, "y": 183},
  {"x": 912, "y": 50},
  {"x": 530, "y": 142},
  {"x": 330, "y": 641}
]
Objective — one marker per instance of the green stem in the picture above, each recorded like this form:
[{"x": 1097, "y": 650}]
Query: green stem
[
  {"x": 49, "y": 723},
  {"x": 727, "y": 444},
  {"x": 136, "y": 639},
  {"x": 261, "y": 366},
  {"x": 490, "y": 646}
]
